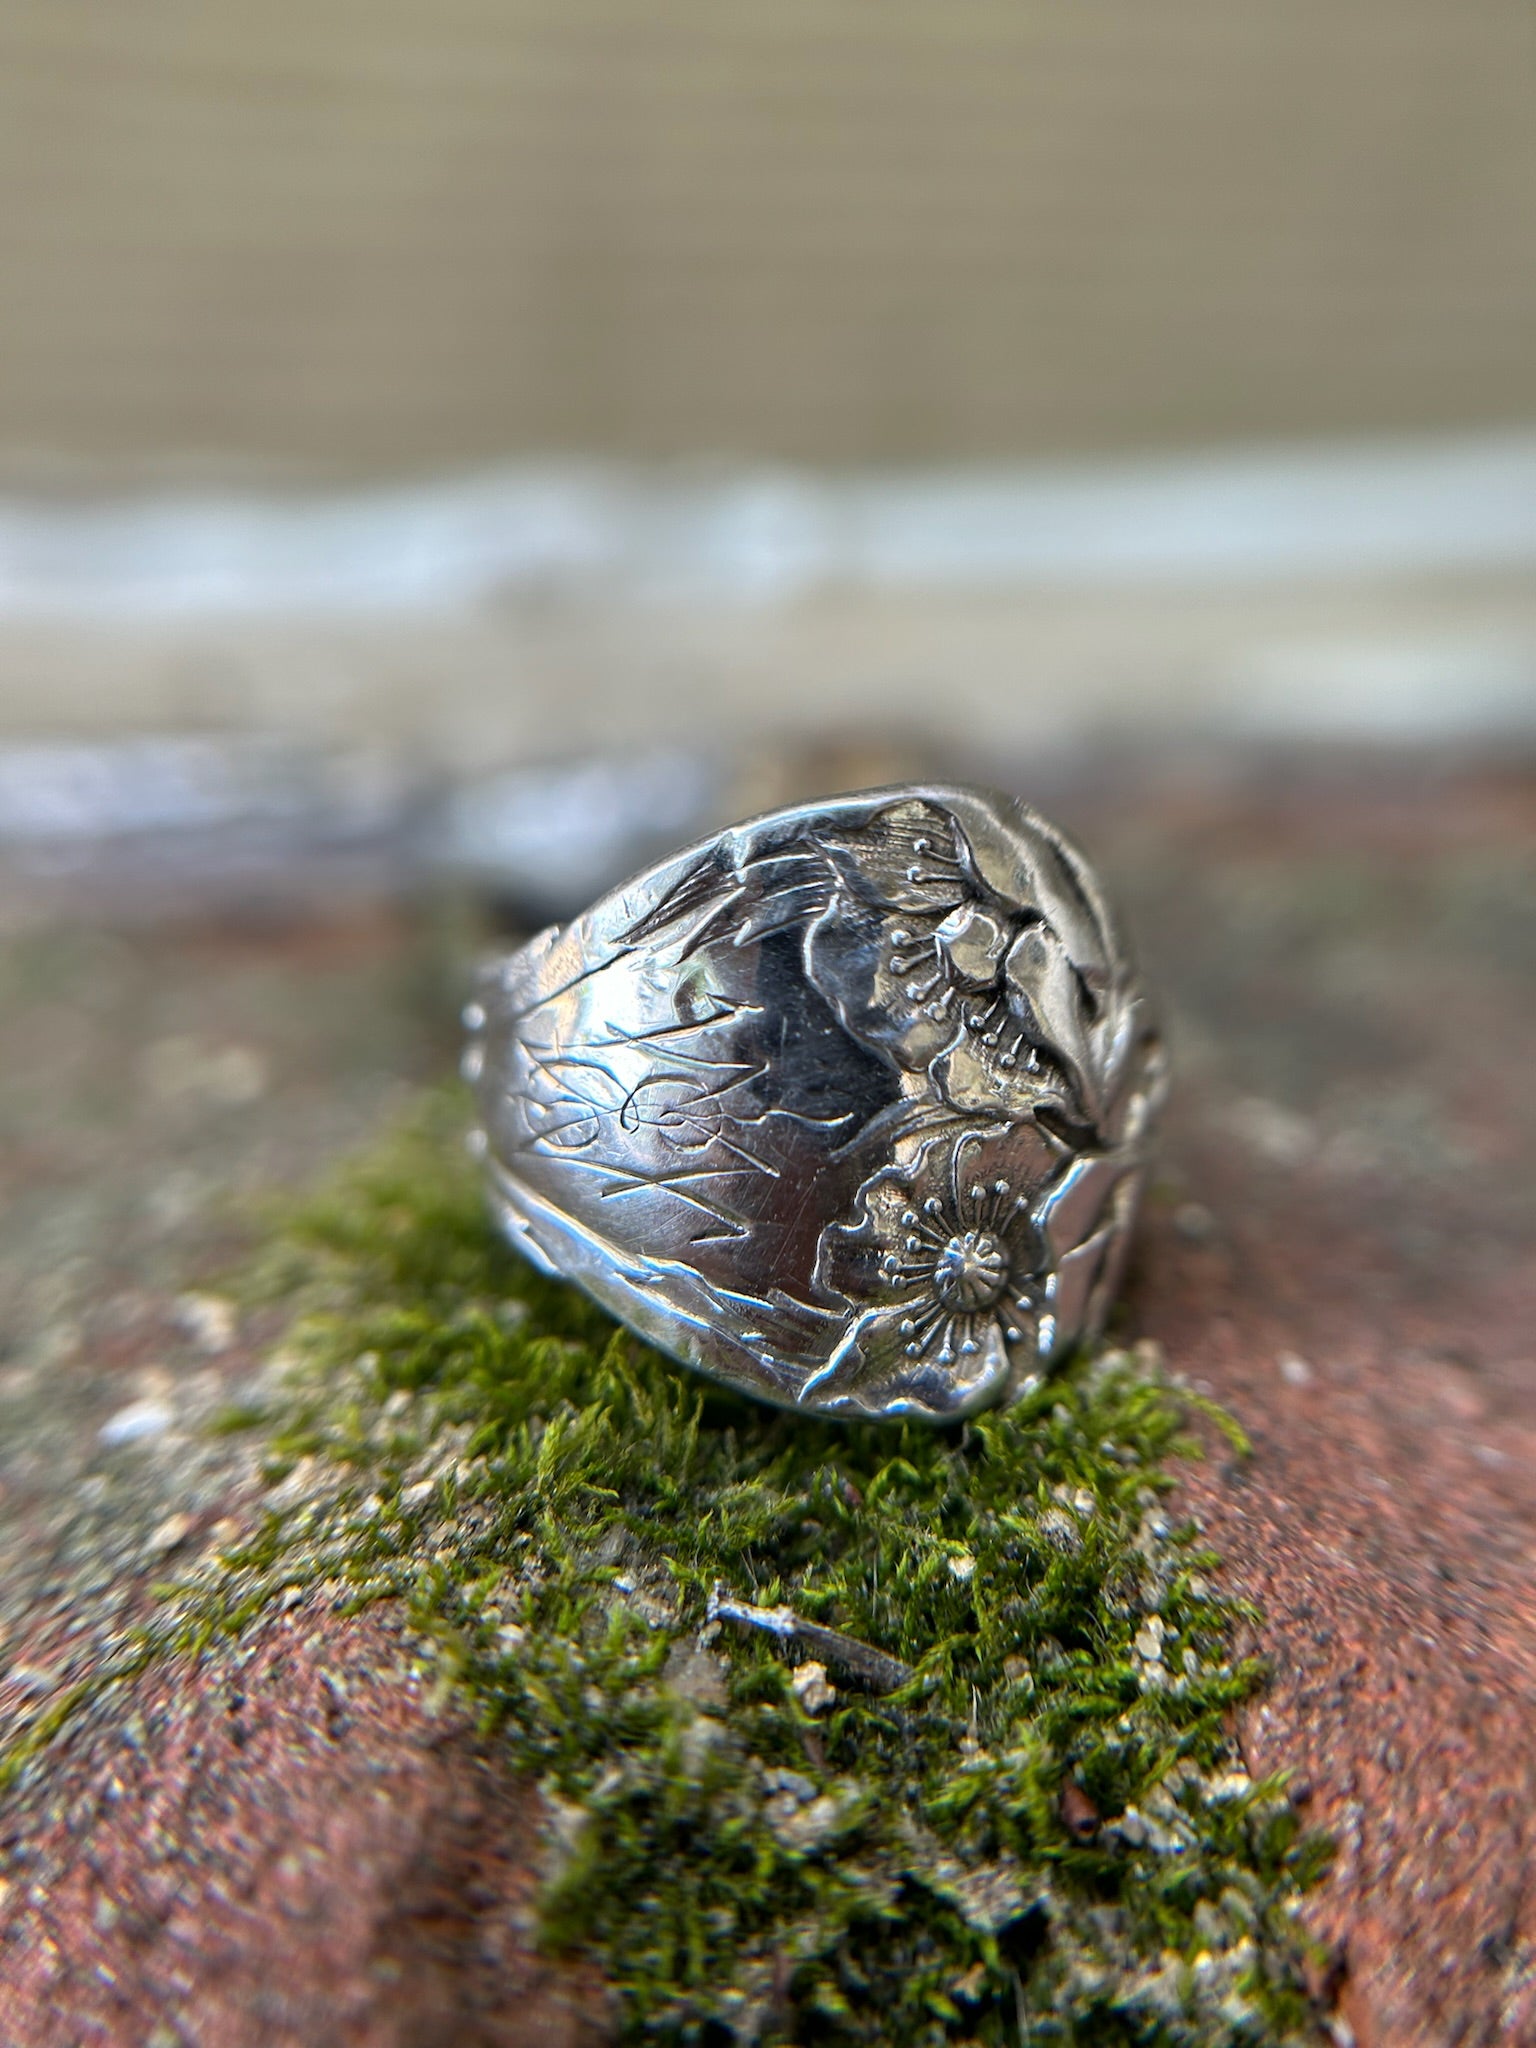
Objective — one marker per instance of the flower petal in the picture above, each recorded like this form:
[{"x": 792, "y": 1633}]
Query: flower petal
[
  {"x": 974, "y": 942},
  {"x": 972, "y": 1081},
  {"x": 910, "y": 857},
  {"x": 847, "y": 959},
  {"x": 848, "y": 1255},
  {"x": 871, "y": 1373}
]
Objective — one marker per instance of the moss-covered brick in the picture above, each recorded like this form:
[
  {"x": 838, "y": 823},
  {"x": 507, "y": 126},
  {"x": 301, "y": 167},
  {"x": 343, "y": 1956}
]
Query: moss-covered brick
[{"x": 1044, "y": 1835}]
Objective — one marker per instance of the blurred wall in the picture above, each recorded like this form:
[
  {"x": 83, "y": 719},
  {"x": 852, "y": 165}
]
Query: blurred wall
[{"x": 321, "y": 236}]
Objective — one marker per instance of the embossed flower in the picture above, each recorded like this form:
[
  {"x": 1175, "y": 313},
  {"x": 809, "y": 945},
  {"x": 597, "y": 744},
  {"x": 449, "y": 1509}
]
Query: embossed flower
[
  {"x": 979, "y": 962},
  {"x": 926, "y": 960},
  {"x": 963, "y": 1267},
  {"x": 944, "y": 1264}
]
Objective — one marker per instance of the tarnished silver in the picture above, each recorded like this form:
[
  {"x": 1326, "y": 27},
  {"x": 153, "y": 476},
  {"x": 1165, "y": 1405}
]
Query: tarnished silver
[{"x": 846, "y": 1107}]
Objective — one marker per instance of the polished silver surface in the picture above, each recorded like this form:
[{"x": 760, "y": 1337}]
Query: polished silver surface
[{"x": 846, "y": 1107}]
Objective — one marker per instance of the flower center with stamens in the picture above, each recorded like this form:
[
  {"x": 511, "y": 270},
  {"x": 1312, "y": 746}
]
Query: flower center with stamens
[{"x": 971, "y": 1272}]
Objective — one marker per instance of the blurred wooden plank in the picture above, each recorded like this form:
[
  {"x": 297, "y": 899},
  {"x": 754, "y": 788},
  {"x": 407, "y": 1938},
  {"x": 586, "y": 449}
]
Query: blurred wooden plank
[{"x": 318, "y": 235}]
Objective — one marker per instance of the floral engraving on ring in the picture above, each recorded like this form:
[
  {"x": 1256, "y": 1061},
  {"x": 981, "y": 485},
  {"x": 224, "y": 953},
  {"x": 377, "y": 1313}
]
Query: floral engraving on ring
[
  {"x": 947, "y": 1258},
  {"x": 847, "y": 1105},
  {"x": 968, "y": 977}
]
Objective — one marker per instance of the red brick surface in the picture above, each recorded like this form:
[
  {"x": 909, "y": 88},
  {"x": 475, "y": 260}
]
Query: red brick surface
[
  {"x": 1339, "y": 1247},
  {"x": 1356, "y": 1124},
  {"x": 297, "y": 1851}
]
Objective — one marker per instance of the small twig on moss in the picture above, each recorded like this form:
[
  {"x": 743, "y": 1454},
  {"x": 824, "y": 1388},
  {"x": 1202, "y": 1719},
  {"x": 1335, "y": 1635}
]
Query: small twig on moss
[{"x": 882, "y": 1672}]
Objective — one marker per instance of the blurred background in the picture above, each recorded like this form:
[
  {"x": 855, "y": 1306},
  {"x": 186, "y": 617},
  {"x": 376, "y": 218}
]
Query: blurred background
[{"x": 424, "y": 391}]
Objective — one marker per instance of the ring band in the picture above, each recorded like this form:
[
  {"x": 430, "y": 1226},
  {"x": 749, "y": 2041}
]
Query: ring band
[{"x": 846, "y": 1107}]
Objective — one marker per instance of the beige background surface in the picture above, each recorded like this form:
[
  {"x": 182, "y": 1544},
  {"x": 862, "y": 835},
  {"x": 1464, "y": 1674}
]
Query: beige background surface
[{"x": 318, "y": 235}]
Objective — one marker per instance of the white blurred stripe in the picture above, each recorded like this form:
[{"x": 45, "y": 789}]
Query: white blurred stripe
[{"x": 1259, "y": 516}]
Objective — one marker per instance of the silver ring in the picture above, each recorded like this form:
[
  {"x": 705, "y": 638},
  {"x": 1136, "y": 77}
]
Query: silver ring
[{"x": 846, "y": 1107}]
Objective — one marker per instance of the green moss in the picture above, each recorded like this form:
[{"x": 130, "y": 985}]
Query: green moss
[{"x": 555, "y": 1504}]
